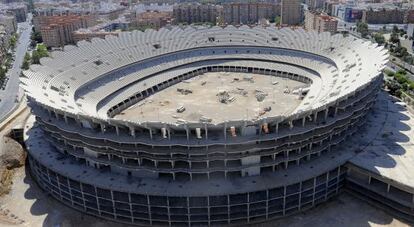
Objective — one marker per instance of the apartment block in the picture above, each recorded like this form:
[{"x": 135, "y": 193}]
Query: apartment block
[
  {"x": 196, "y": 13},
  {"x": 291, "y": 12},
  {"x": 249, "y": 13},
  {"x": 320, "y": 22}
]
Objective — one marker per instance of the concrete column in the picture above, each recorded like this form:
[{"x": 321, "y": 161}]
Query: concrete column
[
  {"x": 314, "y": 189},
  {"x": 150, "y": 133},
  {"x": 290, "y": 124},
  {"x": 326, "y": 113},
  {"x": 225, "y": 131},
  {"x": 315, "y": 116},
  {"x": 66, "y": 118},
  {"x": 277, "y": 127},
  {"x": 300, "y": 195},
  {"x": 337, "y": 179},
  {"x": 206, "y": 131},
  {"x": 117, "y": 130},
  {"x": 102, "y": 128},
  {"x": 303, "y": 121},
  {"x": 187, "y": 132},
  {"x": 132, "y": 131},
  {"x": 284, "y": 200},
  {"x": 168, "y": 133}
]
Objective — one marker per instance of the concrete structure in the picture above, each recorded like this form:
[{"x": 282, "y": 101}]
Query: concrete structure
[
  {"x": 291, "y": 12},
  {"x": 249, "y": 13},
  {"x": 320, "y": 22},
  {"x": 196, "y": 13},
  {"x": 90, "y": 148}
]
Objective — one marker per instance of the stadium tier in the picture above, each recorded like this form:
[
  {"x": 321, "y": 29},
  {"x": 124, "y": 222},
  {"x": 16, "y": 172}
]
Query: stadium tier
[{"x": 199, "y": 126}]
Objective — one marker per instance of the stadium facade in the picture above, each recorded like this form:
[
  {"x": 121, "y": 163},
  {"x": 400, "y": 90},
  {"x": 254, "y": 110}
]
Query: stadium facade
[{"x": 153, "y": 170}]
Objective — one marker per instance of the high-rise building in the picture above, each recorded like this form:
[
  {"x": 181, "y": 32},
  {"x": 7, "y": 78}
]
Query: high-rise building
[
  {"x": 249, "y": 13},
  {"x": 315, "y": 4},
  {"x": 196, "y": 13},
  {"x": 291, "y": 12},
  {"x": 57, "y": 31},
  {"x": 320, "y": 22}
]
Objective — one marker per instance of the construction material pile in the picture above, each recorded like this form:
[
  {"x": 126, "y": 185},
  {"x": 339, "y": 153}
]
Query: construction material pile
[
  {"x": 224, "y": 97},
  {"x": 184, "y": 91},
  {"x": 260, "y": 95}
]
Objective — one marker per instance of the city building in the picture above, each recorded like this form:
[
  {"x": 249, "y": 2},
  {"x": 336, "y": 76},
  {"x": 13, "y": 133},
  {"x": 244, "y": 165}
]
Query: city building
[
  {"x": 88, "y": 35},
  {"x": 19, "y": 10},
  {"x": 291, "y": 13},
  {"x": 57, "y": 30},
  {"x": 154, "y": 19},
  {"x": 196, "y": 13},
  {"x": 320, "y": 22},
  {"x": 204, "y": 126},
  {"x": 315, "y": 4},
  {"x": 101, "y": 30},
  {"x": 249, "y": 13},
  {"x": 383, "y": 16}
]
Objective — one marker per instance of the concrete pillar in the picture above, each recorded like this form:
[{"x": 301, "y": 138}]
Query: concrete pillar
[
  {"x": 117, "y": 130},
  {"x": 66, "y": 118},
  {"x": 303, "y": 121},
  {"x": 102, "y": 128},
  {"x": 225, "y": 131},
  {"x": 315, "y": 116},
  {"x": 187, "y": 131},
  {"x": 132, "y": 131},
  {"x": 314, "y": 189},
  {"x": 277, "y": 127},
  {"x": 284, "y": 200},
  {"x": 150, "y": 133},
  {"x": 326, "y": 113},
  {"x": 290, "y": 124},
  {"x": 206, "y": 131}
]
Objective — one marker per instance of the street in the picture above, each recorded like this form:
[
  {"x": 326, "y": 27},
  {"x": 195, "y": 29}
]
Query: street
[{"x": 11, "y": 94}]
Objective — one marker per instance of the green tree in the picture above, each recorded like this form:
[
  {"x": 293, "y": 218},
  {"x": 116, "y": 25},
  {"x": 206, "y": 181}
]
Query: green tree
[
  {"x": 26, "y": 62},
  {"x": 379, "y": 38},
  {"x": 363, "y": 29},
  {"x": 40, "y": 52},
  {"x": 13, "y": 41},
  {"x": 394, "y": 38},
  {"x": 36, "y": 36}
]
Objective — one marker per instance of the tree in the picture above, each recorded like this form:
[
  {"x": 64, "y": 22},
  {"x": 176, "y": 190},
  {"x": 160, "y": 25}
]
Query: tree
[
  {"x": 277, "y": 20},
  {"x": 40, "y": 52},
  {"x": 394, "y": 38},
  {"x": 26, "y": 62},
  {"x": 13, "y": 41},
  {"x": 379, "y": 38},
  {"x": 36, "y": 36},
  {"x": 363, "y": 29}
]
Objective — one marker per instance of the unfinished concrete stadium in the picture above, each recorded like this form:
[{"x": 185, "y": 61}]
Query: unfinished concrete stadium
[{"x": 205, "y": 126}]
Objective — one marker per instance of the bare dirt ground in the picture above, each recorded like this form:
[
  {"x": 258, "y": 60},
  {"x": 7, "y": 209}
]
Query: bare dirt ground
[{"x": 219, "y": 96}]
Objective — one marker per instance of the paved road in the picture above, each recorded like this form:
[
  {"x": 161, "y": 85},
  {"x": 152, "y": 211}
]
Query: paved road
[{"x": 10, "y": 96}]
